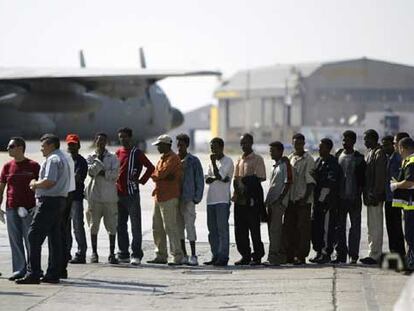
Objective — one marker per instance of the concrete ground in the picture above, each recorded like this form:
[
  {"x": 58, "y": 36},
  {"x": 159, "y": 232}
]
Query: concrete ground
[{"x": 150, "y": 287}]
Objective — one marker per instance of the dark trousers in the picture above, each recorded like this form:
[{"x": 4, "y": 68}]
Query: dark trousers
[
  {"x": 393, "y": 221},
  {"x": 46, "y": 223},
  {"x": 409, "y": 237},
  {"x": 353, "y": 209},
  {"x": 65, "y": 234},
  {"x": 297, "y": 231},
  {"x": 323, "y": 228},
  {"x": 129, "y": 206},
  {"x": 76, "y": 215},
  {"x": 247, "y": 220}
]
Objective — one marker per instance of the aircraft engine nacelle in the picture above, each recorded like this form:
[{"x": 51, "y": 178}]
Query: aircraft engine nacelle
[{"x": 58, "y": 102}]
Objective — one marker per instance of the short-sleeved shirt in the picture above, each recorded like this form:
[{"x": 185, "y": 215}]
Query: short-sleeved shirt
[
  {"x": 219, "y": 191},
  {"x": 280, "y": 176},
  {"x": 81, "y": 171},
  {"x": 55, "y": 168},
  {"x": 303, "y": 167},
  {"x": 252, "y": 164},
  {"x": 17, "y": 176},
  {"x": 165, "y": 188}
]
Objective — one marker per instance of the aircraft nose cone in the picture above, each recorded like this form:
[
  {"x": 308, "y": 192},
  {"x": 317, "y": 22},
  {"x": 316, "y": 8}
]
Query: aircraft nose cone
[{"x": 177, "y": 118}]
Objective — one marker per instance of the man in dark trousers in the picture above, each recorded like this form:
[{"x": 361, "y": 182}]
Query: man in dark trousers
[
  {"x": 393, "y": 219},
  {"x": 51, "y": 193},
  {"x": 327, "y": 175},
  {"x": 250, "y": 171},
  {"x": 374, "y": 195},
  {"x": 353, "y": 166},
  {"x": 76, "y": 200},
  {"x": 131, "y": 161},
  {"x": 403, "y": 189}
]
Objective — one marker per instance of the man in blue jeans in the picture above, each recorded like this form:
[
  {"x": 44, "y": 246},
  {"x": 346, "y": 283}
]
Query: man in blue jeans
[
  {"x": 218, "y": 178},
  {"x": 131, "y": 161},
  {"x": 17, "y": 174}
]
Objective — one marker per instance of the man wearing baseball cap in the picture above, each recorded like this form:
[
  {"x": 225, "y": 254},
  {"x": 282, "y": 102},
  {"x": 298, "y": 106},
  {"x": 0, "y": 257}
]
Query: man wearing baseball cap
[
  {"x": 167, "y": 179},
  {"x": 75, "y": 201}
]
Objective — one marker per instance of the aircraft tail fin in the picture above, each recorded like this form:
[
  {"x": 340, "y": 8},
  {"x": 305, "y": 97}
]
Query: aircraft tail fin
[
  {"x": 82, "y": 59},
  {"x": 142, "y": 58}
]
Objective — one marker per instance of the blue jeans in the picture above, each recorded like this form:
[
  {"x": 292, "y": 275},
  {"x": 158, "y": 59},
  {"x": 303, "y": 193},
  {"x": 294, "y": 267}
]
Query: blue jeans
[
  {"x": 129, "y": 206},
  {"x": 76, "y": 214},
  {"x": 18, "y": 229},
  {"x": 218, "y": 230}
]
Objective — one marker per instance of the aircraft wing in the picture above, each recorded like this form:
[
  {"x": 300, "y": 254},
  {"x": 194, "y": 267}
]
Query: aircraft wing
[{"x": 105, "y": 81}]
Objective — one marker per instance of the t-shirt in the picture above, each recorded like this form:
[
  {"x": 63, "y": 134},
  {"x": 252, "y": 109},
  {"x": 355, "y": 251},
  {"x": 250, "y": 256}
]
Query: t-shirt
[
  {"x": 349, "y": 188},
  {"x": 131, "y": 162},
  {"x": 219, "y": 191},
  {"x": 17, "y": 176}
]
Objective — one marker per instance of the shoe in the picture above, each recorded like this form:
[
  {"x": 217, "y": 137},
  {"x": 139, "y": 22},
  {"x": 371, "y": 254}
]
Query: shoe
[
  {"x": 16, "y": 276},
  {"x": 28, "y": 279},
  {"x": 255, "y": 262},
  {"x": 123, "y": 259},
  {"x": 94, "y": 258},
  {"x": 271, "y": 264},
  {"x": 193, "y": 261},
  {"x": 184, "y": 261},
  {"x": 64, "y": 274},
  {"x": 242, "y": 262},
  {"x": 316, "y": 258},
  {"x": 78, "y": 260},
  {"x": 112, "y": 259},
  {"x": 298, "y": 261},
  {"x": 353, "y": 261},
  {"x": 368, "y": 261},
  {"x": 135, "y": 261},
  {"x": 209, "y": 263},
  {"x": 323, "y": 259},
  {"x": 174, "y": 263},
  {"x": 50, "y": 280},
  {"x": 157, "y": 261},
  {"x": 338, "y": 261},
  {"x": 220, "y": 263}
]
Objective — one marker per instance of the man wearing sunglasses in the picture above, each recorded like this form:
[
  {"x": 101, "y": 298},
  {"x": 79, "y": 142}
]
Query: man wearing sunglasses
[{"x": 17, "y": 174}]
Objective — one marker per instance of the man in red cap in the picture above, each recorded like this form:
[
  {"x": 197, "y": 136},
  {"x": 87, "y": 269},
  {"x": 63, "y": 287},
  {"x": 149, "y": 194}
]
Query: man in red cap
[{"x": 74, "y": 209}]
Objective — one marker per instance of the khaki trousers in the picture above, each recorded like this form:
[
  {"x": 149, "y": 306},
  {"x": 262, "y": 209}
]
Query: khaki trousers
[
  {"x": 164, "y": 223},
  {"x": 375, "y": 216},
  {"x": 186, "y": 217},
  {"x": 276, "y": 254}
]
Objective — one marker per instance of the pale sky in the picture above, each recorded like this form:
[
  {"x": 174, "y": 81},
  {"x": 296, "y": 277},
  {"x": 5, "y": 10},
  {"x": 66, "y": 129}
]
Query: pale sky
[{"x": 215, "y": 34}]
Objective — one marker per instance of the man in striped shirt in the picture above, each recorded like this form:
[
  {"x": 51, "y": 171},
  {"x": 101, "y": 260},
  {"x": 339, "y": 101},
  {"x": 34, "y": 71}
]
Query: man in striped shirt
[{"x": 131, "y": 161}]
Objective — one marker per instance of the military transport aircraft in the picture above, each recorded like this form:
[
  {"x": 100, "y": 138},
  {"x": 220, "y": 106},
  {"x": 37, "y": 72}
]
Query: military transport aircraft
[{"x": 85, "y": 101}]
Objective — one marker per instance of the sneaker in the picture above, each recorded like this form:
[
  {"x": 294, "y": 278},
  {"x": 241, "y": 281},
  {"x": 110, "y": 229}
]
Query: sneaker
[
  {"x": 193, "y": 261},
  {"x": 323, "y": 259},
  {"x": 50, "y": 280},
  {"x": 28, "y": 280},
  {"x": 135, "y": 261},
  {"x": 184, "y": 261},
  {"x": 94, "y": 258},
  {"x": 242, "y": 262},
  {"x": 16, "y": 276},
  {"x": 113, "y": 260},
  {"x": 124, "y": 259},
  {"x": 316, "y": 258},
  {"x": 157, "y": 261},
  {"x": 78, "y": 260},
  {"x": 255, "y": 262},
  {"x": 209, "y": 263},
  {"x": 368, "y": 261},
  {"x": 353, "y": 261}
]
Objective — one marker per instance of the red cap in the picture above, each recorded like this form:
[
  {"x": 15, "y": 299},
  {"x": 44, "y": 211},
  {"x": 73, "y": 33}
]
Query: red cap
[{"x": 72, "y": 138}]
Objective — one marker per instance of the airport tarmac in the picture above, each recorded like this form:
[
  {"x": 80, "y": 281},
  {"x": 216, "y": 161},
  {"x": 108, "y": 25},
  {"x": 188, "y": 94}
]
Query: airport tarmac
[{"x": 151, "y": 287}]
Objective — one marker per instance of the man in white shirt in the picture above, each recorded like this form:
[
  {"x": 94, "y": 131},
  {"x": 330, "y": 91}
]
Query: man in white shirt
[{"x": 218, "y": 179}]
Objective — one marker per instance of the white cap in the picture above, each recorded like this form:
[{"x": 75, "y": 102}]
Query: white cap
[{"x": 163, "y": 139}]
